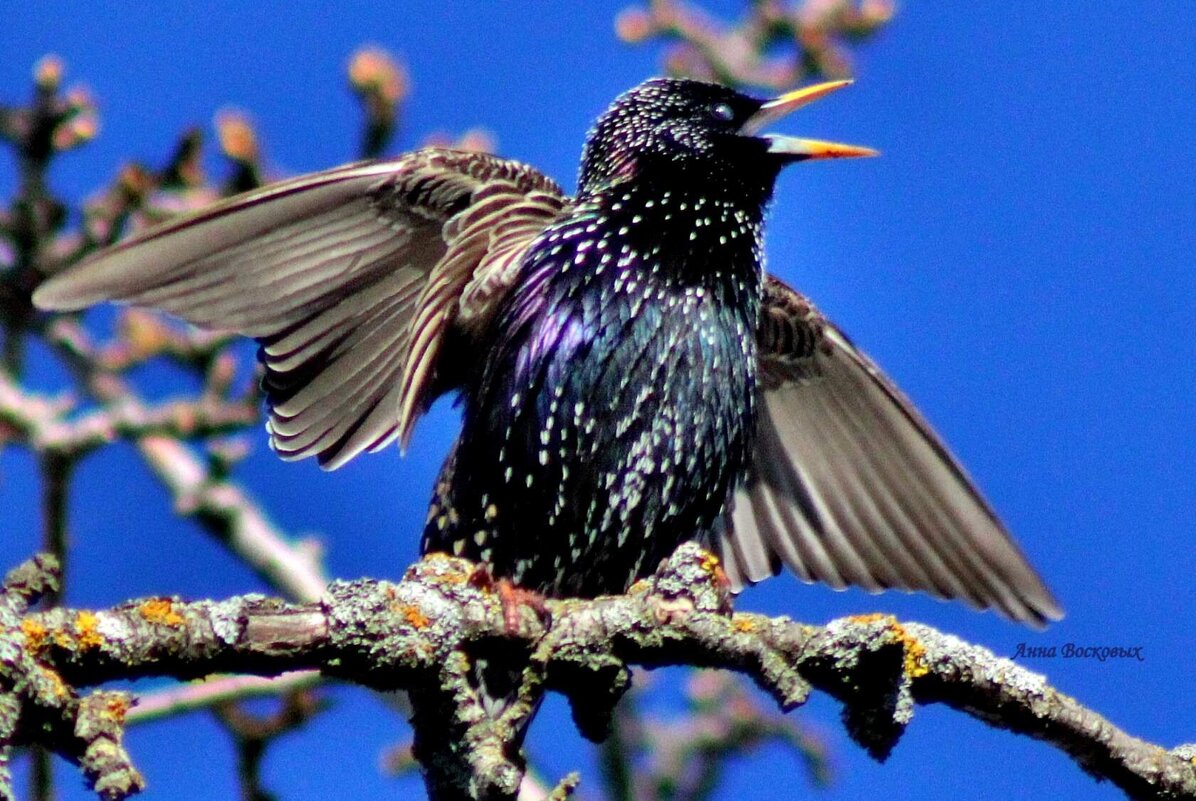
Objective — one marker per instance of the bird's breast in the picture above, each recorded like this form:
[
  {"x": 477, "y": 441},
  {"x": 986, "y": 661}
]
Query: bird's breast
[{"x": 616, "y": 412}]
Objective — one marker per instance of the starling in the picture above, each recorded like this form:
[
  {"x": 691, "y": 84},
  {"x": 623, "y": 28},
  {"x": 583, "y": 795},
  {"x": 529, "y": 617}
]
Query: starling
[{"x": 630, "y": 378}]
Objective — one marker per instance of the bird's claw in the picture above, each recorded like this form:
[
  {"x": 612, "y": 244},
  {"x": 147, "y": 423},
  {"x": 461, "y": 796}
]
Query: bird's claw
[{"x": 512, "y": 597}]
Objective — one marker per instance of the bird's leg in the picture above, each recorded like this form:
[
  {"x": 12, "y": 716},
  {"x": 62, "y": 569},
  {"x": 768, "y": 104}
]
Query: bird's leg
[{"x": 512, "y": 597}]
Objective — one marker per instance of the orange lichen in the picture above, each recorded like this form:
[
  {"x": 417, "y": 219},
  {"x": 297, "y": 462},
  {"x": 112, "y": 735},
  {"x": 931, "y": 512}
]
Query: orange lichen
[
  {"x": 160, "y": 611},
  {"x": 713, "y": 566},
  {"x": 35, "y": 635},
  {"x": 413, "y": 615},
  {"x": 915, "y": 652},
  {"x": 116, "y": 708},
  {"x": 710, "y": 563},
  {"x": 743, "y": 624},
  {"x": 87, "y": 627}
]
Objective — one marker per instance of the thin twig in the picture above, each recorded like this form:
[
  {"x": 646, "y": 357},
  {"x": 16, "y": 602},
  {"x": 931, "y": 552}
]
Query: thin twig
[{"x": 214, "y": 691}]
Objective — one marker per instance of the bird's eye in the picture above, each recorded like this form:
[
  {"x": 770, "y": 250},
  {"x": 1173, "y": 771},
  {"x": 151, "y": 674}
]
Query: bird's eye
[{"x": 724, "y": 112}]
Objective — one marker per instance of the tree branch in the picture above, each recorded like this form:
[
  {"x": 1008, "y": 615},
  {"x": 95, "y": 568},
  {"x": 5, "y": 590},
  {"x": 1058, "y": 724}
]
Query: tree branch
[
  {"x": 425, "y": 633},
  {"x": 215, "y": 692},
  {"x": 48, "y": 429},
  {"x": 253, "y": 734}
]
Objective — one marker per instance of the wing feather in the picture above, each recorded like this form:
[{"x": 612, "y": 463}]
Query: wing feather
[
  {"x": 351, "y": 279},
  {"x": 487, "y": 240},
  {"x": 850, "y": 485}
]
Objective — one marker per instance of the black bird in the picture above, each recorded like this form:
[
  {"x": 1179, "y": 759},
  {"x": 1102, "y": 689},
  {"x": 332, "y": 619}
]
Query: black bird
[{"x": 630, "y": 378}]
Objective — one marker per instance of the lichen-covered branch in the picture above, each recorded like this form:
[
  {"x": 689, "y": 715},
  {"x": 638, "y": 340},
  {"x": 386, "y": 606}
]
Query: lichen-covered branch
[
  {"x": 427, "y": 631},
  {"x": 88, "y": 730},
  {"x": 53, "y": 122}
]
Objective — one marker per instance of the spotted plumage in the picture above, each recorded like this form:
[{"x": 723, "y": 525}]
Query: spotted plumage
[
  {"x": 615, "y": 411},
  {"x": 629, "y": 377}
]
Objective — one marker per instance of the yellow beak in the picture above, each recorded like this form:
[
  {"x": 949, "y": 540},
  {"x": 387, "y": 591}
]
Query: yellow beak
[{"x": 789, "y": 102}]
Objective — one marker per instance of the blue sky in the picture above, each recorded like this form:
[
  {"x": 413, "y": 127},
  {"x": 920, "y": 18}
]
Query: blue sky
[{"x": 1020, "y": 260}]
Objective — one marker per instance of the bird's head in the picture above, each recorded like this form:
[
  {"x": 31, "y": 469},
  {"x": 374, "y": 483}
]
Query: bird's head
[{"x": 668, "y": 125}]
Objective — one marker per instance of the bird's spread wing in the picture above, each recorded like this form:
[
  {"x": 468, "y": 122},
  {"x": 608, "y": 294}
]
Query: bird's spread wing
[
  {"x": 350, "y": 279},
  {"x": 850, "y": 485}
]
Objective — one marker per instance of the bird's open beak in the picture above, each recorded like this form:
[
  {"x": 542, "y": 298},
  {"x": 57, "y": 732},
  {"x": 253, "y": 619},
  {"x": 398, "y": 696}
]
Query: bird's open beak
[{"x": 774, "y": 109}]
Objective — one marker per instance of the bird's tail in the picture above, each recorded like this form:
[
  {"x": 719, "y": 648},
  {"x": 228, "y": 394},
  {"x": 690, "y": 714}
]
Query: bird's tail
[{"x": 498, "y": 687}]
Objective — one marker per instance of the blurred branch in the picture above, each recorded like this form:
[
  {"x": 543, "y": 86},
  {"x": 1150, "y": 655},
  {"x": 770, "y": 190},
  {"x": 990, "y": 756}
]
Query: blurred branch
[
  {"x": 200, "y": 492},
  {"x": 253, "y": 734},
  {"x": 56, "y": 470},
  {"x": 143, "y": 336},
  {"x": 47, "y": 127},
  {"x": 688, "y": 756},
  {"x": 216, "y": 691},
  {"x": 646, "y": 758},
  {"x": 60, "y": 430},
  {"x": 53, "y": 122},
  {"x": 476, "y": 140},
  {"x": 381, "y": 85},
  {"x": 47, "y": 428},
  {"x": 41, "y": 774},
  {"x": 775, "y": 45},
  {"x": 425, "y": 632},
  {"x": 239, "y": 142},
  {"x": 617, "y": 751}
]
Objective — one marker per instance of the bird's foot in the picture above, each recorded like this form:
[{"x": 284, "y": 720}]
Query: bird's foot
[{"x": 512, "y": 597}]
